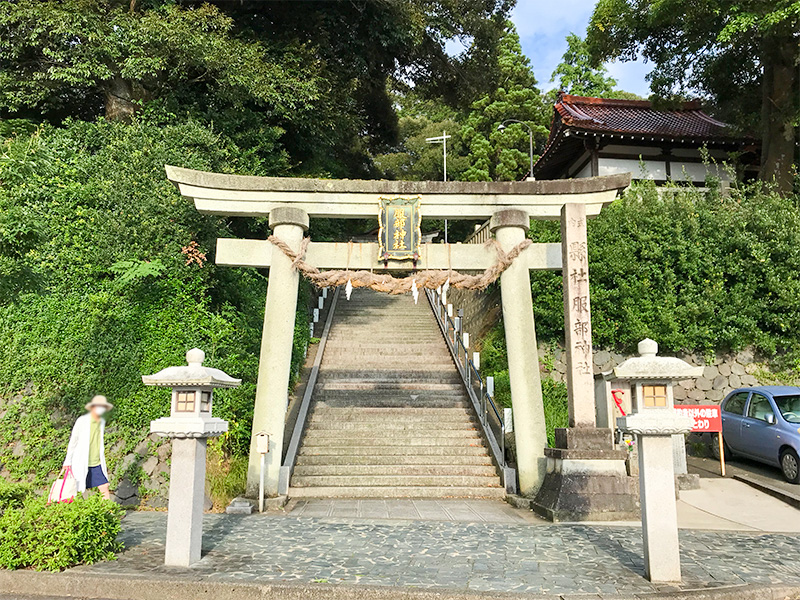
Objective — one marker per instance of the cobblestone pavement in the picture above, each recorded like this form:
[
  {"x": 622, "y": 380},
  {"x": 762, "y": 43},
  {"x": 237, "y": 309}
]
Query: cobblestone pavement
[
  {"x": 472, "y": 511},
  {"x": 456, "y": 555}
]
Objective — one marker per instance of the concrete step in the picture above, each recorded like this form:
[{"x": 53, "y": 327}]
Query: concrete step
[
  {"x": 381, "y": 432},
  {"x": 394, "y": 460},
  {"x": 449, "y": 376},
  {"x": 391, "y": 450},
  {"x": 355, "y": 413},
  {"x": 392, "y": 403},
  {"x": 397, "y": 492},
  {"x": 394, "y": 481},
  {"x": 378, "y": 425},
  {"x": 385, "y": 439},
  {"x": 404, "y": 470},
  {"x": 356, "y": 384}
]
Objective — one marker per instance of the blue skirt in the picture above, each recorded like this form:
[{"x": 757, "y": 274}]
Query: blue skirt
[{"x": 95, "y": 477}]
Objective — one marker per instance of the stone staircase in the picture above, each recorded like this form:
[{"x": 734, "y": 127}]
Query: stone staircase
[{"x": 390, "y": 417}]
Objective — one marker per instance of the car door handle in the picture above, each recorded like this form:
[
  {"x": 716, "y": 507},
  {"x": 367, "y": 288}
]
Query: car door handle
[{"x": 747, "y": 425}]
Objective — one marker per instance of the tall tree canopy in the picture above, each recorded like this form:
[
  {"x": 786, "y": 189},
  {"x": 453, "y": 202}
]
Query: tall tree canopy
[
  {"x": 743, "y": 55},
  {"x": 504, "y": 155},
  {"x": 577, "y": 75},
  {"x": 65, "y": 54}
]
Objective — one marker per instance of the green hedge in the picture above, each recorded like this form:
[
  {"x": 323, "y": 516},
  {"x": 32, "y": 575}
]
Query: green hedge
[
  {"x": 494, "y": 363},
  {"x": 101, "y": 237},
  {"x": 695, "y": 271},
  {"x": 13, "y": 495},
  {"x": 59, "y": 536}
]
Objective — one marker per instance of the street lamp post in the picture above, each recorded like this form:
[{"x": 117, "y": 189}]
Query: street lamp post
[
  {"x": 502, "y": 127},
  {"x": 442, "y": 139}
]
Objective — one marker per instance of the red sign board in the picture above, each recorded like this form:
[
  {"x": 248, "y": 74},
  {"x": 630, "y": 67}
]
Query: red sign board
[{"x": 706, "y": 418}]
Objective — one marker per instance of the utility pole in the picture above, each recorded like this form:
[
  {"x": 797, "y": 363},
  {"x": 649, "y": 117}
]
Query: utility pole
[{"x": 442, "y": 139}]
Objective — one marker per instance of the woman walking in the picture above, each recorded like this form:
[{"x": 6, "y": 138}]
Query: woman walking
[{"x": 86, "y": 454}]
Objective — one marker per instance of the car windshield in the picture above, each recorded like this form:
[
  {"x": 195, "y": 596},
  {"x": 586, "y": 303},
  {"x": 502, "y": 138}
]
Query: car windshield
[{"x": 789, "y": 407}]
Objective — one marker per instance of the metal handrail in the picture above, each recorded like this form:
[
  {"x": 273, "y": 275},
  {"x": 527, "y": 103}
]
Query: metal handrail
[
  {"x": 481, "y": 397},
  {"x": 287, "y": 467}
]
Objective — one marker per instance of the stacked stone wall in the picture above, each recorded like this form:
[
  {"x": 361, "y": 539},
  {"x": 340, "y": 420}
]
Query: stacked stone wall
[
  {"x": 729, "y": 371},
  {"x": 482, "y": 310}
]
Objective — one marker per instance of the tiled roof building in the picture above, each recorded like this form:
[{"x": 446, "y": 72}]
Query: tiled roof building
[{"x": 597, "y": 136}]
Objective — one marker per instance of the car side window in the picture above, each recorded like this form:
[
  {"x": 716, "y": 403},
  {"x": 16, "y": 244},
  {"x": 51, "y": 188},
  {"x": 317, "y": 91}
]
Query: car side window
[
  {"x": 759, "y": 407},
  {"x": 736, "y": 403}
]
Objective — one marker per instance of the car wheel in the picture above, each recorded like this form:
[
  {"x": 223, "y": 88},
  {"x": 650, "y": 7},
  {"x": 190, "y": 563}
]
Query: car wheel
[{"x": 790, "y": 465}]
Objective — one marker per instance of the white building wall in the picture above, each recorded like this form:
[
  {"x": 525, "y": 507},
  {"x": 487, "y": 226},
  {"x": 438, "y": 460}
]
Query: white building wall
[{"x": 653, "y": 169}]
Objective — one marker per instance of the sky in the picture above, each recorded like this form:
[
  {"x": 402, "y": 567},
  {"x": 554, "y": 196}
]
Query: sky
[{"x": 543, "y": 26}]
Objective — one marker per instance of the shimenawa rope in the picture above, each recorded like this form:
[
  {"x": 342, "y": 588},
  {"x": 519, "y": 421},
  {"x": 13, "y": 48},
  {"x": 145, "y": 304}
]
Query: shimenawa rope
[{"x": 392, "y": 285}]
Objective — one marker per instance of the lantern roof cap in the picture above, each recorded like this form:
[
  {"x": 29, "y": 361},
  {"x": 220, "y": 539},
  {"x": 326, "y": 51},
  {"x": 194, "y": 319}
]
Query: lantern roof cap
[
  {"x": 193, "y": 374},
  {"x": 651, "y": 367}
]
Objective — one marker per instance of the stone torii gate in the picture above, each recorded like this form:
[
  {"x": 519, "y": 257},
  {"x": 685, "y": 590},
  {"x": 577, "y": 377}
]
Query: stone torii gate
[{"x": 289, "y": 202}]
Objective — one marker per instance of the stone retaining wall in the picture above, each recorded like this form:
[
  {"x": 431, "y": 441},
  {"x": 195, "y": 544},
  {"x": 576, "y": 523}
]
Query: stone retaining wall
[
  {"x": 481, "y": 309},
  {"x": 728, "y": 372}
]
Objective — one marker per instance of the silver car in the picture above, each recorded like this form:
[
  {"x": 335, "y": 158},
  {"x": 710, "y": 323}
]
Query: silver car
[{"x": 763, "y": 423}]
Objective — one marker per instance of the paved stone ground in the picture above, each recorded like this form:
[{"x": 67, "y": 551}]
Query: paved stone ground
[
  {"x": 471, "y": 511},
  {"x": 456, "y": 555}
]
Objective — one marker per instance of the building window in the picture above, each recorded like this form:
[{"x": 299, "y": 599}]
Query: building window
[
  {"x": 185, "y": 402},
  {"x": 205, "y": 402},
  {"x": 654, "y": 396}
]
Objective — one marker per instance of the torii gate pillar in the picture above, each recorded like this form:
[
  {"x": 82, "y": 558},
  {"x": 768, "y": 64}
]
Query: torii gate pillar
[
  {"x": 509, "y": 227},
  {"x": 275, "y": 361}
]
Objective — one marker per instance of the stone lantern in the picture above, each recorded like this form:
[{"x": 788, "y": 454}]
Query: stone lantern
[
  {"x": 189, "y": 425},
  {"x": 654, "y": 422}
]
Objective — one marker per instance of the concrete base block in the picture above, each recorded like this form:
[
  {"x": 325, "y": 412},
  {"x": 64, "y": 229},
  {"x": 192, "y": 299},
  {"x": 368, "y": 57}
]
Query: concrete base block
[
  {"x": 687, "y": 481},
  {"x": 586, "y": 480},
  {"x": 240, "y": 506},
  {"x": 276, "y": 503}
]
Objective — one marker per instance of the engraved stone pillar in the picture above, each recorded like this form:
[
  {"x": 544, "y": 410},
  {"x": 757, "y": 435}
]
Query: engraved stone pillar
[
  {"x": 274, "y": 365},
  {"x": 586, "y": 477},
  {"x": 577, "y": 316},
  {"x": 509, "y": 226}
]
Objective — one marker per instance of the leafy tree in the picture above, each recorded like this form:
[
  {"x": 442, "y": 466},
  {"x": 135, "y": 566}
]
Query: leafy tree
[
  {"x": 504, "y": 155},
  {"x": 58, "y": 53},
  {"x": 418, "y": 160},
  {"x": 577, "y": 75},
  {"x": 743, "y": 55}
]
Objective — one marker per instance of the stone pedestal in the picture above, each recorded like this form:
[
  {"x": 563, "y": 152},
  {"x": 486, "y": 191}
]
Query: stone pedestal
[
  {"x": 275, "y": 360},
  {"x": 186, "y": 490},
  {"x": 586, "y": 479},
  {"x": 654, "y": 429},
  {"x": 509, "y": 226}
]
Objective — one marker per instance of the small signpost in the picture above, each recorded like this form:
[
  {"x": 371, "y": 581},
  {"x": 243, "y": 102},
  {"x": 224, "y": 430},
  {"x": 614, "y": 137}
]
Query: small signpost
[
  {"x": 707, "y": 419},
  {"x": 262, "y": 446}
]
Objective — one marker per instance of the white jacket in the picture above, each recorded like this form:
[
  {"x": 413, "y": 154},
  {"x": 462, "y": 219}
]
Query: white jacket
[{"x": 78, "y": 450}]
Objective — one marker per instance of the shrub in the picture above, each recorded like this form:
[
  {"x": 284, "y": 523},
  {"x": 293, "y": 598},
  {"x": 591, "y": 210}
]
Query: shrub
[
  {"x": 13, "y": 495},
  {"x": 58, "y": 536},
  {"x": 695, "y": 271}
]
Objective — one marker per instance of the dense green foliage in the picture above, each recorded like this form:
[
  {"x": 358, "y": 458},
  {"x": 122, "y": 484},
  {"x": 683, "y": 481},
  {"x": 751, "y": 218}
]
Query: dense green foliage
[
  {"x": 695, "y": 271},
  {"x": 13, "y": 494},
  {"x": 121, "y": 285},
  {"x": 477, "y": 150},
  {"x": 494, "y": 363},
  {"x": 576, "y": 74},
  {"x": 740, "y": 55},
  {"x": 59, "y": 536}
]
